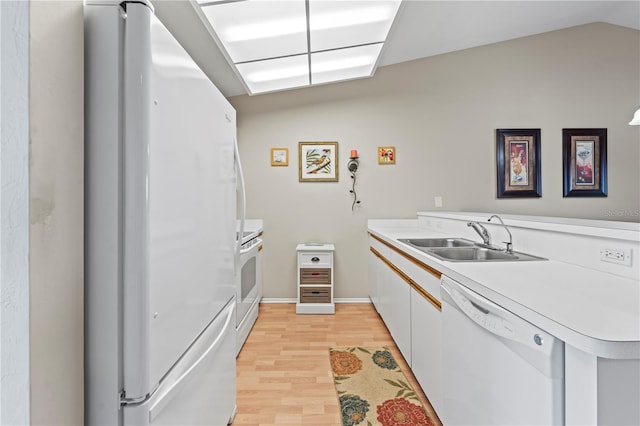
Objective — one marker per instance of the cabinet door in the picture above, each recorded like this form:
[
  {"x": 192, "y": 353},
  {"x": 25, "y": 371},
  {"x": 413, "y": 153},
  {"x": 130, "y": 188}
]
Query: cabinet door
[
  {"x": 426, "y": 349},
  {"x": 384, "y": 293},
  {"x": 376, "y": 271},
  {"x": 374, "y": 266},
  {"x": 400, "y": 324}
]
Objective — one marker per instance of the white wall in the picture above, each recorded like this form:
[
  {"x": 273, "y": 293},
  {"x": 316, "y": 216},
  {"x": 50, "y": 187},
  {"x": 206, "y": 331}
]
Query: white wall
[
  {"x": 441, "y": 114},
  {"x": 56, "y": 132},
  {"x": 14, "y": 211}
]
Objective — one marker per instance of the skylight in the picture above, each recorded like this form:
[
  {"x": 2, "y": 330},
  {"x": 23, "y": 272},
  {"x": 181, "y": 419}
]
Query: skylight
[{"x": 284, "y": 44}]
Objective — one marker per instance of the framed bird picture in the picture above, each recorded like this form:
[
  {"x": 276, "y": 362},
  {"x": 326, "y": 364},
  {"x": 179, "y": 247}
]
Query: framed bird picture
[{"x": 318, "y": 161}]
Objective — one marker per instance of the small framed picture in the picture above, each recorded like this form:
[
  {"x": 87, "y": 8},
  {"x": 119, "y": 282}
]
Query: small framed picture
[
  {"x": 518, "y": 163},
  {"x": 279, "y": 156},
  {"x": 584, "y": 162},
  {"x": 386, "y": 155},
  {"x": 318, "y": 161}
]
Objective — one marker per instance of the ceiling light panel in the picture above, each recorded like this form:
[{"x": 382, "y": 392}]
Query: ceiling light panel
[
  {"x": 275, "y": 74},
  {"x": 344, "y": 64},
  {"x": 283, "y": 44},
  {"x": 258, "y": 29},
  {"x": 336, "y": 24}
]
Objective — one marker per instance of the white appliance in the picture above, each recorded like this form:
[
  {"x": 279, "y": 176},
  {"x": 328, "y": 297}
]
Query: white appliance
[
  {"x": 160, "y": 228},
  {"x": 248, "y": 284},
  {"x": 248, "y": 272},
  {"x": 498, "y": 369}
]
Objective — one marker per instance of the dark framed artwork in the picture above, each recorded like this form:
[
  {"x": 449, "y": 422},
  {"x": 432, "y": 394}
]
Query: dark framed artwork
[
  {"x": 518, "y": 161},
  {"x": 584, "y": 162}
]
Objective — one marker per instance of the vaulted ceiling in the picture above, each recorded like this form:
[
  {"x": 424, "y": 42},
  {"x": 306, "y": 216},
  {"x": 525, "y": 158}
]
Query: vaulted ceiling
[{"x": 423, "y": 28}]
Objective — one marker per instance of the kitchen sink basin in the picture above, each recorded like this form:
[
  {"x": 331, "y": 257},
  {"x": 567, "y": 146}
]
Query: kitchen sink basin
[
  {"x": 463, "y": 250},
  {"x": 478, "y": 254},
  {"x": 437, "y": 242}
]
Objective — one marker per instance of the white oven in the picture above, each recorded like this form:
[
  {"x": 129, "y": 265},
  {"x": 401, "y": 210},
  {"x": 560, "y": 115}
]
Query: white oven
[{"x": 248, "y": 285}]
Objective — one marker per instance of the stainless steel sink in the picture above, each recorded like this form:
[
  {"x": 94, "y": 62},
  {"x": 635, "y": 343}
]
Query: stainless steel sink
[
  {"x": 478, "y": 254},
  {"x": 437, "y": 242},
  {"x": 463, "y": 250}
]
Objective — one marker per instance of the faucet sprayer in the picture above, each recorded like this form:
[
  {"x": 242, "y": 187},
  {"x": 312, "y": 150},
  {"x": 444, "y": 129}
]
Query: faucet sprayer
[{"x": 508, "y": 243}]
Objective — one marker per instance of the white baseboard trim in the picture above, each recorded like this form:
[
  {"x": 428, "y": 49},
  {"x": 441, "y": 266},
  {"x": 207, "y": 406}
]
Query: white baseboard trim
[
  {"x": 294, "y": 300},
  {"x": 278, "y": 300}
]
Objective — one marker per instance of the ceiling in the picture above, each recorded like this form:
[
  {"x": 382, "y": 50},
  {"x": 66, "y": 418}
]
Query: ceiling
[{"x": 423, "y": 28}]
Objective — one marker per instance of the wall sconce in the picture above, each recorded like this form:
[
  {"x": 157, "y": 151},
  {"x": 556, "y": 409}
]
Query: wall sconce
[
  {"x": 635, "y": 121},
  {"x": 352, "y": 165}
]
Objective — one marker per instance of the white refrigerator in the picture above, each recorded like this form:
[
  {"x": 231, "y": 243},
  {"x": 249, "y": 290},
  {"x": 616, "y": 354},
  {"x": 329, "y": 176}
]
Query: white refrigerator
[{"x": 160, "y": 191}]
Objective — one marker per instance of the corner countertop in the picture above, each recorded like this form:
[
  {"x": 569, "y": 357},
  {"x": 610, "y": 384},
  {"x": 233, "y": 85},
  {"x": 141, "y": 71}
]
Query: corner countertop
[
  {"x": 253, "y": 225},
  {"x": 596, "y": 312}
]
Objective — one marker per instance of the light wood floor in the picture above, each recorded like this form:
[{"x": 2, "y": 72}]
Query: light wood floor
[{"x": 284, "y": 376}]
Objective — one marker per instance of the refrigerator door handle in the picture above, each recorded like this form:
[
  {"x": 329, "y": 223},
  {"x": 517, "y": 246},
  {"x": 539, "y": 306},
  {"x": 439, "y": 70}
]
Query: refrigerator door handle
[
  {"x": 243, "y": 203},
  {"x": 162, "y": 399},
  {"x": 136, "y": 401}
]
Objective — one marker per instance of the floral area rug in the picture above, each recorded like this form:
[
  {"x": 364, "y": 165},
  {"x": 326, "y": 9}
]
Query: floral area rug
[{"x": 372, "y": 390}]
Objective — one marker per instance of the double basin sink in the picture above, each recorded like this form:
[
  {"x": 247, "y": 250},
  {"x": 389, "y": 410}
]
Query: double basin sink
[{"x": 463, "y": 250}]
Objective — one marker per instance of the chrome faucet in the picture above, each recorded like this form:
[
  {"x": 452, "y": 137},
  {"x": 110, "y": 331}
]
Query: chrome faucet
[
  {"x": 482, "y": 231},
  {"x": 510, "y": 242}
]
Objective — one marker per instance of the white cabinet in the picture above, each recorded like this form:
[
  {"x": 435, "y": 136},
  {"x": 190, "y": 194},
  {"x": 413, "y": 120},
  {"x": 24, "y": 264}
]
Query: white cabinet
[
  {"x": 315, "y": 279},
  {"x": 378, "y": 273},
  {"x": 400, "y": 312},
  {"x": 390, "y": 293},
  {"x": 374, "y": 292},
  {"x": 406, "y": 294},
  {"x": 384, "y": 291},
  {"x": 392, "y": 300},
  {"x": 426, "y": 323},
  {"x": 426, "y": 353}
]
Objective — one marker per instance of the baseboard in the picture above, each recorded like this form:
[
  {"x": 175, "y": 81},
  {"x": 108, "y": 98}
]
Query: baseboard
[
  {"x": 294, "y": 300},
  {"x": 278, "y": 300}
]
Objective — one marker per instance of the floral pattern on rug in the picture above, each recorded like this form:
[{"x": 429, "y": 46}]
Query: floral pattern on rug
[
  {"x": 384, "y": 359},
  {"x": 370, "y": 377},
  {"x": 345, "y": 363}
]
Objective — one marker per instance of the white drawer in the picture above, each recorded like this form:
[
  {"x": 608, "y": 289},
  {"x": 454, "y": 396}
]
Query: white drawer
[{"x": 315, "y": 259}]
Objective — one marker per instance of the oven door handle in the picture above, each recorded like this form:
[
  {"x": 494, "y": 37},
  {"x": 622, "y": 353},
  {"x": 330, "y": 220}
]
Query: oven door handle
[{"x": 254, "y": 246}]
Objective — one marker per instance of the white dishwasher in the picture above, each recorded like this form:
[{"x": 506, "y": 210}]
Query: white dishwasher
[{"x": 498, "y": 369}]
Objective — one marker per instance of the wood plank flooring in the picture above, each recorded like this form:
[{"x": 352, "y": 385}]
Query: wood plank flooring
[{"x": 283, "y": 371}]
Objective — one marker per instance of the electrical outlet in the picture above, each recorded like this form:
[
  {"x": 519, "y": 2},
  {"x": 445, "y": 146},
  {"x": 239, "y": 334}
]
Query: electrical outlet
[
  {"x": 437, "y": 200},
  {"x": 616, "y": 255}
]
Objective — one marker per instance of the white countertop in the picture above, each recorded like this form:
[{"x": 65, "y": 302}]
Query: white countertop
[
  {"x": 315, "y": 247},
  {"x": 593, "y": 311},
  {"x": 253, "y": 225}
]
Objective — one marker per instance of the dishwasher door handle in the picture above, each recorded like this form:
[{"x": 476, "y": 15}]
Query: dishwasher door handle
[
  {"x": 493, "y": 318},
  {"x": 480, "y": 308}
]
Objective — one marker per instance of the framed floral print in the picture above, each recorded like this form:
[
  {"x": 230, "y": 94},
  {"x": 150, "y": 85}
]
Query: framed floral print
[
  {"x": 386, "y": 155},
  {"x": 584, "y": 162},
  {"x": 518, "y": 163}
]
